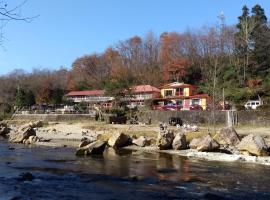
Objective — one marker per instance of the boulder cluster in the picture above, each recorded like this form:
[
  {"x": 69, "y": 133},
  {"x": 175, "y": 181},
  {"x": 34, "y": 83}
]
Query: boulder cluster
[
  {"x": 226, "y": 140},
  {"x": 25, "y": 134}
]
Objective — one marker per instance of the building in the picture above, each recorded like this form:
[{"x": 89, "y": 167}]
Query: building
[
  {"x": 141, "y": 93},
  {"x": 181, "y": 96},
  {"x": 92, "y": 97}
]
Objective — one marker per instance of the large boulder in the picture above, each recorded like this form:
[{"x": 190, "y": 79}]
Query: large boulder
[
  {"x": 93, "y": 148},
  {"x": 179, "y": 142},
  {"x": 227, "y": 136},
  {"x": 21, "y": 134},
  {"x": 254, "y": 144},
  {"x": 165, "y": 139},
  {"x": 194, "y": 143},
  {"x": 206, "y": 143},
  {"x": 141, "y": 141},
  {"x": 85, "y": 141},
  {"x": 118, "y": 140},
  {"x": 31, "y": 140}
]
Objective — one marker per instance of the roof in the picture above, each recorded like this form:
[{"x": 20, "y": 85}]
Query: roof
[
  {"x": 145, "y": 89},
  {"x": 177, "y": 85},
  {"x": 86, "y": 93}
]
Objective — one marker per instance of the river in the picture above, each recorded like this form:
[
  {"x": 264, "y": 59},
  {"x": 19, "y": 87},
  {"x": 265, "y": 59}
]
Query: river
[{"x": 58, "y": 174}]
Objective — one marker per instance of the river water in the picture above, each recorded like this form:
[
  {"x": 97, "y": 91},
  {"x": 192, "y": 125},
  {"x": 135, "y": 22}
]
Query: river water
[{"x": 58, "y": 174}]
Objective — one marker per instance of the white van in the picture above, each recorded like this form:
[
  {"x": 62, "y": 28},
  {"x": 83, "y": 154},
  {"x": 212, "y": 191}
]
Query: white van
[{"x": 253, "y": 104}]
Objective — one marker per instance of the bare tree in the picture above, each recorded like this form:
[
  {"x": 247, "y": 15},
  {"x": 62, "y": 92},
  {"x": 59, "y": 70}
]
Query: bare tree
[{"x": 9, "y": 12}]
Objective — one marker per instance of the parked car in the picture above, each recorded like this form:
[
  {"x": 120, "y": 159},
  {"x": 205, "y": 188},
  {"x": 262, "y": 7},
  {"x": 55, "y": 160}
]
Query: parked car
[
  {"x": 195, "y": 107},
  {"x": 173, "y": 121},
  {"x": 253, "y": 104},
  {"x": 172, "y": 107}
]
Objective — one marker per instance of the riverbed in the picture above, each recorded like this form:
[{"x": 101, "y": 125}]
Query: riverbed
[{"x": 124, "y": 174}]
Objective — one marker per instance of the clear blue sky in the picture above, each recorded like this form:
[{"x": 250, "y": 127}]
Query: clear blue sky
[{"x": 67, "y": 29}]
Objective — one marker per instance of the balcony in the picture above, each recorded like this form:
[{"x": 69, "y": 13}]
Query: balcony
[{"x": 91, "y": 99}]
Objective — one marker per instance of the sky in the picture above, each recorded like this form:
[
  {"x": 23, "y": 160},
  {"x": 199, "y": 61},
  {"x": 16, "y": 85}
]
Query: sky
[{"x": 68, "y": 29}]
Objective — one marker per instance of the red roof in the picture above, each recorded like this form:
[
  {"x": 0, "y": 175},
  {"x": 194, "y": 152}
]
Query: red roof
[
  {"x": 145, "y": 89},
  {"x": 177, "y": 85},
  {"x": 86, "y": 93}
]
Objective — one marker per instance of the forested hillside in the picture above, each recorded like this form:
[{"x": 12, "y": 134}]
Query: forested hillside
[{"x": 233, "y": 58}]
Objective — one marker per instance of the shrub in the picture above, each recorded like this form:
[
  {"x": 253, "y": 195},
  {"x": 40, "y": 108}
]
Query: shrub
[
  {"x": 264, "y": 107},
  {"x": 118, "y": 112},
  {"x": 240, "y": 107}
]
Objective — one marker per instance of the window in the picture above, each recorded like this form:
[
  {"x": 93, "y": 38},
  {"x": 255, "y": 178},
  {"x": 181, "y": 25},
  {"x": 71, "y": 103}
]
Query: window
[
  {"x": 179, "y": 91},
  {"x": 195, "y": 101},
  {"x": 168, "y": 93},
  {"x": 253, "y": 103},
  {"x": 179, "y": 102}
]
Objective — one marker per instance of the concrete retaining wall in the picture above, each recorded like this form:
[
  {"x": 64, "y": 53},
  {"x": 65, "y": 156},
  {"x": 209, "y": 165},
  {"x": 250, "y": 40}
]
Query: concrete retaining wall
[
  {"x": 253, "y": 118},
  {"x": 193, "y": 117},
  {"x": 53, "y": 117}
]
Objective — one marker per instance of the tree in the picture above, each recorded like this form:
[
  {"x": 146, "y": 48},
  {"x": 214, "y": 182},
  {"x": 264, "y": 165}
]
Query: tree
[
  {"x": 261, "y": 38},
  {"x": 243, "y": 38},
  {"x": 20, "y": 98},
  {"x": 12, "y": 13},
  {"x": 174, "y": 64}
]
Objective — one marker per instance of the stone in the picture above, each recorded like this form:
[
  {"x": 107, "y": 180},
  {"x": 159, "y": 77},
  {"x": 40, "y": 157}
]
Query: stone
[
  {"x": 227, "y": 136},
  {"x": 26, "y": 176},
  {"x": 118, "y": 140},
  {"x": 194, "y": 143},
  {"x": 165, "y": 139},
  {"x": 4, "y": 131},
  {"x": 254, "y": 144},
  {"x": 36, "y": 124},
  {"x": 22, "y": 133},
  {"x": 179, "y": 142},
  {"x": 93, "y": 148},
  {"x": 141, "y": 141},
  {"x": 84, "y": 142},
  {"x": 207, "y": 143}
]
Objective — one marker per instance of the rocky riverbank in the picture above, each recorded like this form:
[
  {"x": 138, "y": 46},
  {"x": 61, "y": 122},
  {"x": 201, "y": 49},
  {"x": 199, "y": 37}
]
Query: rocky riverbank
[{"x": 226, "y": 145}]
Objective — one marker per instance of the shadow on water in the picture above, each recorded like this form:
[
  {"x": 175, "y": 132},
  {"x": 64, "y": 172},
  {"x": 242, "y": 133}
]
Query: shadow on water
[{"x": 125, "y": 174}]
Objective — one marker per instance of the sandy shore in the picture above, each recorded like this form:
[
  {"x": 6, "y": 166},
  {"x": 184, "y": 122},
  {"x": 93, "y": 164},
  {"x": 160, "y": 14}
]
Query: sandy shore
[{"x": 70, "y": 135}]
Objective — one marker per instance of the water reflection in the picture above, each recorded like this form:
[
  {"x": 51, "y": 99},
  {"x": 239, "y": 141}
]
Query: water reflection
[{"x": 196, "y": 175}]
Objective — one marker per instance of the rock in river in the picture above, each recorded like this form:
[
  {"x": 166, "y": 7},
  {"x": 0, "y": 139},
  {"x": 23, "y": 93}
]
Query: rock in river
[
  {"x": 22, "y": 133},
  {"x": 194, "y": 143},
  {"x": 93, "y": 148},
  {"x": 165, "y": 139},
  {"x": 254, "y": 144},
  {"x": 179, "y": 142},
  {"x": 205, "y": 144},
  {"x": 141, "y": 141},
  {"x": 118, "y": 140},
  {"x": 227, "y": 136}
]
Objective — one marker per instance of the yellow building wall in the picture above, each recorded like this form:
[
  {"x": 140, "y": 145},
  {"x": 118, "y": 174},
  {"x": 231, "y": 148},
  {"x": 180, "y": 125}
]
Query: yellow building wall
[
  {"x": 203, "y": 103},
  {"x": 162, "y": 92},
  {"x": 186, "y": 92}
]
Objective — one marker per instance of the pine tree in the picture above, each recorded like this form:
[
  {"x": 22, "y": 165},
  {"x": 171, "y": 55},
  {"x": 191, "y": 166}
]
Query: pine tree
[
  {"x": 20, "y": 98},
  {"x": 261, "y": 38}
]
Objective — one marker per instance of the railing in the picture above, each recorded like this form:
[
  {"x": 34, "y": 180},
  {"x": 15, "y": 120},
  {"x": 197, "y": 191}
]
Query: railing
[{"x": 91, "y": 99}]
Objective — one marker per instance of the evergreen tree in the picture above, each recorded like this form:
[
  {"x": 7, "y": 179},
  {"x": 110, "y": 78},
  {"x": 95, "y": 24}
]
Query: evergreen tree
[
  {"x": 20, "y": 98},
  {"x": 261, "y": 38}
]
